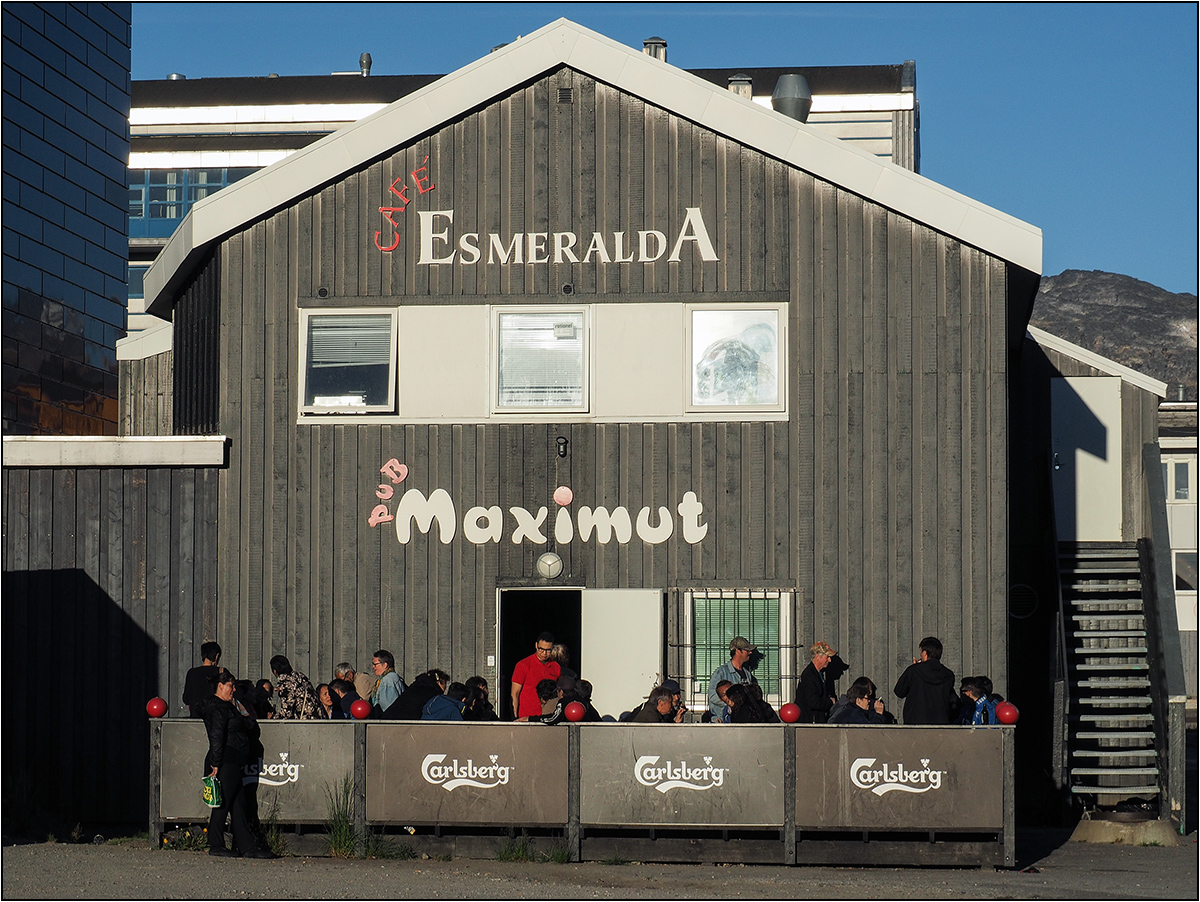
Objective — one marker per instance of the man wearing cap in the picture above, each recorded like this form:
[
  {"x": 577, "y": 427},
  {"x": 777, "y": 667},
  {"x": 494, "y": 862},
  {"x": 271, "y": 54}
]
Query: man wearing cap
[
  {"x": 813, "y": 697},
  {"x": 734, "y": 671}
]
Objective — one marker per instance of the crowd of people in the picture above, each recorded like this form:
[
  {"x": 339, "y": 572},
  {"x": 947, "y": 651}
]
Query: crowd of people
[{"x": 544, "y": 689}]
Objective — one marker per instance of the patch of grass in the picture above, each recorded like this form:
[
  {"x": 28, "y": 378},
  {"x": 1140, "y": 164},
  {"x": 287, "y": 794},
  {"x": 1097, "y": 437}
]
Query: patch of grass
[
  {"x": 614, "y": 860},
  {"x": 515, "y": 849},
  {"x": 192, "y": 838},
  {"x": 272, "y": 831},
  {"x": 560, "y": 852},
  {"x": 1149, "y": 842},
  {"x": 376, "y": 844},
  {"x": 143, "y": 837},
  {"x": 339, "y": 828}
]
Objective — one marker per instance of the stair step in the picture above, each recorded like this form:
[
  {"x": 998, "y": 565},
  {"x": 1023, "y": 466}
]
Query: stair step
[
  {"x": 1113, "y": 588},
  {"x": 1112, "y": 683},
  {"x": 1112, "y": 719},
  {"x": 1130, "y": 606},
  {"x": 1114, "y": 753},
  {"x": 1128, "y": 665},
  {"x": 1106, "y": 616},
  {"x": 1106, "y": 566},
  {"x": 1109, "y": 634},
  {"x": 1115, "y": 734},
  {"x": 1129, "y": 701},
  {"x": 1113, "y": 771},
  {"x": 1112, "y": 650},
  {"x": 1117, "y": 790}
]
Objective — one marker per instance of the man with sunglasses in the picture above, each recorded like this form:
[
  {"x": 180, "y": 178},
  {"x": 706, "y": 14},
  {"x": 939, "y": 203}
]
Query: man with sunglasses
[{"x": 528, "y": 673}]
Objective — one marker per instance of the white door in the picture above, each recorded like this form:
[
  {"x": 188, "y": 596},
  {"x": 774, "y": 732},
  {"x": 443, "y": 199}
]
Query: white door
[
  {"x": 1086, "y": 457},
  {"x": 621, "y": 646}
]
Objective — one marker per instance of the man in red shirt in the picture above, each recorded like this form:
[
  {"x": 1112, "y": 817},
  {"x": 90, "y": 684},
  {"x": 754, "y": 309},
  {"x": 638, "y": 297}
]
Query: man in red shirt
[{"x": 528, "y": 673}]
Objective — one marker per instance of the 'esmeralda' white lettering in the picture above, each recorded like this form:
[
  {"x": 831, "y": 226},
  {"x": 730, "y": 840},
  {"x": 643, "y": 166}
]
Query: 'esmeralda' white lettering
[{"x": 438, "y": 245}]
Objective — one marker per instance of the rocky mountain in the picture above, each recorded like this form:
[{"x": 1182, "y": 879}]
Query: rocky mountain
[{"x": 1132, "y": 322}]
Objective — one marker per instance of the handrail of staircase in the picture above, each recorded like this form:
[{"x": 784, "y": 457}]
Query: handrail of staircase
[
  {"x": 1168, "y": 690},
  {"x": 1061, "y": 684}
]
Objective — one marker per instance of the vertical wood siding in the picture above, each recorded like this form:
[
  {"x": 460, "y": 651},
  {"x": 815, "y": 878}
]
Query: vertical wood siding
[
  {"x": 880, "y": 502},
  {"x": 109, "y": 590}
]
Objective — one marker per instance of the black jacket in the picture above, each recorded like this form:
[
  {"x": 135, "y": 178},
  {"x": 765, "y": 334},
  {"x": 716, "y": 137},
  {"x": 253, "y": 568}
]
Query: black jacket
[
  {"x": 813, "y": 696},
  {"x": 198, "y": 685},
  {"x": 228, "y": 731},
  {"x": 412, "y": 700},
  {"x": 927, "y": 688}
]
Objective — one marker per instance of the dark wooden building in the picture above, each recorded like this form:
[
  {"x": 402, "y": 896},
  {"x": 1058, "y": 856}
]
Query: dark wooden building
[
  {"x": 571, "y": 265},
  {"x": 736, "y": 377}
]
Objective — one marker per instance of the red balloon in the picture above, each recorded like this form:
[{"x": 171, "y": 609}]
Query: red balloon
[
  {"x": 575, "y": 712},
  {"x": 361, "y": 709},
  {"x": 789, "y": 713},
  {"x": 156, "y": 707},
  {"x": 1006, "y": 712}
]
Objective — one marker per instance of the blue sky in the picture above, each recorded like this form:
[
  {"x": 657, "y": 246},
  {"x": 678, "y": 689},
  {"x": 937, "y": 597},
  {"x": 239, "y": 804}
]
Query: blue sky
[{"x": 1079, "y": 118}]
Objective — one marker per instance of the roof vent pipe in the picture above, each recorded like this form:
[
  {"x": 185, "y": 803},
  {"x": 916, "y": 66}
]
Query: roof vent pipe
[
  {"x": 655, "y": 47},
  {"x": 176, "y": 76},
  {"x": 742, "y": 85},
  {"x": 792, "y": 96},
  {"x": 364, "y": 64}
]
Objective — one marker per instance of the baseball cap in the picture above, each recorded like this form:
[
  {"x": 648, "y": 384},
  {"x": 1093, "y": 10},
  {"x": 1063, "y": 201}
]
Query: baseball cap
[
  {"x": 673, "y": 685},
  {"x": 741, "y": 642},
  {"x": 822, "y": 648}
]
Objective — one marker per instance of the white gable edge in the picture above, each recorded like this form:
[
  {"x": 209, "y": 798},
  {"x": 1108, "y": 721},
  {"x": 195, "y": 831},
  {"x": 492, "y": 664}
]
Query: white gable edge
[
  {"x": 1103, "y": 364},
  {"x": 565, "y": 43}
]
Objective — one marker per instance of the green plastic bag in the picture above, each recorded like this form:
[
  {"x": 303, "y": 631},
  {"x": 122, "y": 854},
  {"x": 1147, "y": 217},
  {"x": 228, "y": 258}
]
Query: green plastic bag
[{"x": 212, "y": 791}]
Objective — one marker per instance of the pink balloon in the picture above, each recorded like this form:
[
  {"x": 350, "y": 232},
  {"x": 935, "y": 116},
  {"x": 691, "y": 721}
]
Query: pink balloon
[{"x": 563, "y": 496}]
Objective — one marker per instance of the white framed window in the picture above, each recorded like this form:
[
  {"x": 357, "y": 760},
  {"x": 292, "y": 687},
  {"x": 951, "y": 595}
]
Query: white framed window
[
  {"x": 540, "y": 359},
  {"x": 735, "y": 357},
  {"x": 713, "y": 617},
  {"x": 347, "y": 361}
]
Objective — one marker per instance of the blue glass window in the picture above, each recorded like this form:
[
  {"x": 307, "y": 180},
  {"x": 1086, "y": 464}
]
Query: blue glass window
[{"x": 160, "y": 198}]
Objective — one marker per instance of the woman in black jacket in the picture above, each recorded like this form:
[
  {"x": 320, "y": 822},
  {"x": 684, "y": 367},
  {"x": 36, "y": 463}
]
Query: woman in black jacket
[{"x": 232, "y": 740}]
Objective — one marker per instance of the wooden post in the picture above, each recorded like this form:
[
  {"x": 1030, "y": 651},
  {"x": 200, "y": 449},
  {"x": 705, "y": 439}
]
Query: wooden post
[
  {"x": 573, "y": 838},
  {"x": 789, "y": 794},
  {"x": 359, "y": 803},
  {"x": 155, "y": 819}
]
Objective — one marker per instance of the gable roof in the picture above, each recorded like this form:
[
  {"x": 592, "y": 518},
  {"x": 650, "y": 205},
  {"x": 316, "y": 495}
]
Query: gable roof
[
  {"x": 565, "y": 43},
  {"x": 1094, "y": 360}
]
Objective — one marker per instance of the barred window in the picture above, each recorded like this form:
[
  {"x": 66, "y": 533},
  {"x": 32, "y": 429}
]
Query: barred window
[{"x": 715, "y": 616}]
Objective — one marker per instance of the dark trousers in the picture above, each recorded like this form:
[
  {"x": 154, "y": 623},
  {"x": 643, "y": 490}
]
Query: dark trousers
[{"x": 234, "y": 805}]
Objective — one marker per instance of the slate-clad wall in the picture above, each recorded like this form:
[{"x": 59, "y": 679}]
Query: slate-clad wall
[
  {"x": 881, "y": 500},
  {"x": 117, "y": 569}
]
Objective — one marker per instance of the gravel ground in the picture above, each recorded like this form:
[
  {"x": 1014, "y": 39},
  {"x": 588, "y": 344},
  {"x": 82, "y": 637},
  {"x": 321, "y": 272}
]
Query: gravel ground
[{"x": 1048, "y": 868}]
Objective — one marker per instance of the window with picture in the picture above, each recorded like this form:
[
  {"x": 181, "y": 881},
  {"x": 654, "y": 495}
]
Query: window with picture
[
  {"x": 348, "y": 362},
  {"x": 735, "y": 358},
  {"x": 541, "y": 361},
  {"x": 716, "y": 616}
]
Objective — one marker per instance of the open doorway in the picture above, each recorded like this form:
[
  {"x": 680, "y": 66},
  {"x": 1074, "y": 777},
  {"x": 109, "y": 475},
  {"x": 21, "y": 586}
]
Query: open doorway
[{"x": 523, "y": 614}]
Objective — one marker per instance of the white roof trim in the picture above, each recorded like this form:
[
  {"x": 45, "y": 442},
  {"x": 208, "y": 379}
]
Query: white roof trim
[
  {"x": 149, "y": 342},
  {"x": 564, "y": 42},
  {"x": 1103, "y": 364},
  {"x": 106, "y": 451}
]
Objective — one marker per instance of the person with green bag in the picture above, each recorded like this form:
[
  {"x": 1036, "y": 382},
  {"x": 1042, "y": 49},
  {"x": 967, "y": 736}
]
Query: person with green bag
[{"x": 232, "y": 738}]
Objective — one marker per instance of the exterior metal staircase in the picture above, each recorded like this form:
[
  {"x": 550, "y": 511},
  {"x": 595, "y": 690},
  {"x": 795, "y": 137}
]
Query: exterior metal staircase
[{"x": 1110, "y": 722}]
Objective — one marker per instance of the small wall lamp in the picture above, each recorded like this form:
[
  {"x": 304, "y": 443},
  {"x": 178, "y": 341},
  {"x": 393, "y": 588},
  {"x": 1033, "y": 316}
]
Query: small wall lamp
[{"x": 562, "y": 446}]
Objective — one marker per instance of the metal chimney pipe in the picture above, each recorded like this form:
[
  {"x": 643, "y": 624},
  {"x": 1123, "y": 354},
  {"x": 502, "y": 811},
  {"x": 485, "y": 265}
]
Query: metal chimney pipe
[
  {"x": 364, "y": 64},
  {"x": 792, "y": 96},
  {"x": 655, "y": 47}
]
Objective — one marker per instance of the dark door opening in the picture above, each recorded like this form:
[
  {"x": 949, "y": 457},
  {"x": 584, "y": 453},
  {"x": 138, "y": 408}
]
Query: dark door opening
[{"x": 523, "y": 614}]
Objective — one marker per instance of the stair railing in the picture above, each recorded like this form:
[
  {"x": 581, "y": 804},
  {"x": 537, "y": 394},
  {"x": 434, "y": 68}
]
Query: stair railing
[
  {"x": 1168, "y": 690},
  {"x": 1060, "y": 678}
]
